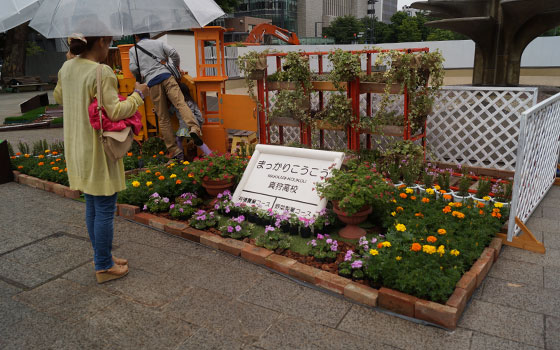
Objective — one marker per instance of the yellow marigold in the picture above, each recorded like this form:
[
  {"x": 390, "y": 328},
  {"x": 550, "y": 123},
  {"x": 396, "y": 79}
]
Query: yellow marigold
[
  {"x": 161, "y": 177},
  {"x": 393, "y": 213},
  {"x": 399, "y": 208},
  {"x": 186, "y": 163},
  {"x": 498, "y": 204},
  {"x": 429, "y": 249},
  {"x": 386, "y": 244},
  {"x": 409, "y": 190},
  {"x": 425, "y": 200},
  {"x": 20, "y": 167},
  {"x": 437, "y": 187},
  {"x": 441, "y": 249},
  {"x": 373, "y": 252},
  {"x": 441, "y": 231},
  {"x": 148, "y": 171},
  {"x": 190, "y": 175},
  {"x": 161, "y": 153},
  {"x": 26, "y": 155},
  {"x": 431, "y": 239},
  {"x": 413, "y": 198},
  {"x": 41, "y": 163},
  {"x": 416, "y": 247},
  {"x": 394, "y": 200},
  {"x": 149, "y": 183},
  {"x": 178, "y": 182},
  {"x": 157, "y": 173},
  {"x": 447, "y": 197},
  {"x": 486, "y": 198},
  {"x": 403, "y": 195},
  {"x": 430, "y": 191},
  {"x": 47, "y": 150},
  {"x": 454, "y": 252},
  {"x": 172, "y": 176},
  {"x": 400, "y": 227},
  {"x": 129, "y": 154},
  {"x": 55, "y": 168},
  {"x": 398, "y": 258},
  {"x": 447, "y": 209},
  {"x": 41, "y": 156},
  {"x": 135, "y": 183}
]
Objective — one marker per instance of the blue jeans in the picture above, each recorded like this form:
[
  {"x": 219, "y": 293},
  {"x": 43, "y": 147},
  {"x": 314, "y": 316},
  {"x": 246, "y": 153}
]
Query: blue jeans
[{"x": 100, "y": 214}]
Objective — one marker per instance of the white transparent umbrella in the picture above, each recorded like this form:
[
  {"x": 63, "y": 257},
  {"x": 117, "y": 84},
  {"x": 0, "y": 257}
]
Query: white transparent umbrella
[
  {"x": 61, "y": 18},
  {"x": 15, "y": 12}
]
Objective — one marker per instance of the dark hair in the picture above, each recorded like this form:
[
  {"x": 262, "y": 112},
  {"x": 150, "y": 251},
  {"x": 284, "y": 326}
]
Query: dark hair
[
  {"x": 78, "y": 47},
  {"x": 143, "y": 36},
  {"x": 186, "y": 92}
]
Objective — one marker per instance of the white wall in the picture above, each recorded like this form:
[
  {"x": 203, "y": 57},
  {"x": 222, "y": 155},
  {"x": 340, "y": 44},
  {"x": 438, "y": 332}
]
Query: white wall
[
  {"x": 542, "y": 52},
  {"x": 185, "y": 46}
]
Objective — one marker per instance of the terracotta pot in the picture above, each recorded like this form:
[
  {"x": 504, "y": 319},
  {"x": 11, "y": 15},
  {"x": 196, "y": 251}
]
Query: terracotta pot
[
  {"x": 352, "y": 230},
  {"x": 215, "y": 187}
]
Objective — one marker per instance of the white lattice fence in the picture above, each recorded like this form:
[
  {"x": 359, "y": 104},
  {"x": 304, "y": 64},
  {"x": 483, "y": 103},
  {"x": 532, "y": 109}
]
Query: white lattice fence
[
  {"x": 537, "y": 160},
  {"x": 478, "y": 126}
]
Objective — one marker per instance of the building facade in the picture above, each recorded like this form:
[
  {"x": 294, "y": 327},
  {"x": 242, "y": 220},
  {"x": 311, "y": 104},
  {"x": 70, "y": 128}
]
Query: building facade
[
  {"x": 385, "y": 9},
  {"x": 282, "y": 13}
]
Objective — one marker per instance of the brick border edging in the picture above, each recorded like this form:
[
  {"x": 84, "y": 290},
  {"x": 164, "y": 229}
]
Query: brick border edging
[
  {"x": 446, "y": 315},
  {"x": 61, "y": 190}
]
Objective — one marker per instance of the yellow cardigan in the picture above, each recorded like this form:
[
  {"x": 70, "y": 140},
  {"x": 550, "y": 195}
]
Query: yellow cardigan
[{"x": 88, "y": 168}]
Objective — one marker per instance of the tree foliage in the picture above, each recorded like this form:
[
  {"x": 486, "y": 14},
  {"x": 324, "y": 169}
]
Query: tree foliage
[
  {"x": 346, "y": 30},
  {"x": 228, "y": 5}
]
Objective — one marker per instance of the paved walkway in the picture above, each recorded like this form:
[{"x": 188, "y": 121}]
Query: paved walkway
[{"x": 180, "y": 295}]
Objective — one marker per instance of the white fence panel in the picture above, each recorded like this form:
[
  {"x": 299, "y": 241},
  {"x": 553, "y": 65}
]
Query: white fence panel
[
  {"x": 478, "y": 126},
  {"x": 537, "y": 160}
]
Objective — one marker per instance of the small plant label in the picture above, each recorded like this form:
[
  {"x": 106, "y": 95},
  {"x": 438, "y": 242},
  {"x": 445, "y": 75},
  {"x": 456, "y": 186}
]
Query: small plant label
[{"x": 283, "y": 179}]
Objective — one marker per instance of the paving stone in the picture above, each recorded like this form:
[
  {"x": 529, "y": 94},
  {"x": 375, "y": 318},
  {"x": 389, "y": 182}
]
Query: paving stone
[
  {"x": 219, "y": 313},
  {"x": 36, "y": 331},
  {"x": 15, "y": 241},
  {"x": 400, "y": 333},
  {"x": 146, "y": 288},
  {"x": 293, "y": 333},
  {"x": 32, "y": 253},
  {"x": 12, "y": 312},
  {"x": 482, "y": 341},
  {"x": 26, "y": 275},
  {"x": 542, "y": 224},
  {"x": 273, "y": 293},
  {"x": 318, "y": 307},
  {"x": 552, "y": 332},
  {"x": 66, "y": 300},
  {"x": 148, "y": 258},
  {"x": 504, "y": 322},
  {"x": 551, "y": 258},
  {"x": 7, "y": 290},
  {"x": 551, "y": 240},
  {"x": 84, "y": 275},
  {"x": 526, "y": 297},
  {"x": 205, "y": 339},
  {"x": 63, "y": 262},
  {"x": 128, "y": 325},
  {"x": 66, "y": 243},
  {"x": 551, "y": 278},
  {"x": 517, "y": 271}
]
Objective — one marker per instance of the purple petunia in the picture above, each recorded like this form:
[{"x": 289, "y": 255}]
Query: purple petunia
[
  {"x": 357, "y": 264},
  {"x": 181, "y": 210},
  {"x": 145, "y": 207},
  {"x": 230, "y": 229},
  {"x": 172, "y": 206},
  {"x": 155, "y": 195},
  {"x": 217, "y": 206},
  {"x": 329, "y": 241},
  {"x": 320, "y": 236},
  {"x": 237, "y": 228},
  {"x": 348, "y": 255},
  {"x": 373, "y": 240},
  {"x": 268, "y": 228},
  {"x": 227, "y": 210},
  {"x": 165, "y": 200}
]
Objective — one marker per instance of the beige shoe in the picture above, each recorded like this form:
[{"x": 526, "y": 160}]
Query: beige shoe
[
  {"x": 116, "y": 271},
  {"x": 117, "y": 261}
]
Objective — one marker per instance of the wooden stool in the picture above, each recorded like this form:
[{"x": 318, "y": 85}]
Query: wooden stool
[{"x": 243, "y": 137}]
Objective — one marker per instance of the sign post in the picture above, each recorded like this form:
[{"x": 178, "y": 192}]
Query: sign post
[{"x": 283, "y": 179}]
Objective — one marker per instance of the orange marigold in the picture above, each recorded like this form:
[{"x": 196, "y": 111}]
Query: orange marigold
[
  {"x": 420, "y": 215},
  {"x": 425, "y": 200},
  {"x": 161, "y": 153},
  {"x": 481, "y": 212},
  {"x": 161, "y": 177},
  {"x": 379, "y": 245},
  {"x": 447, "y": 197},
  {"x": 51, "y": 163},
  {"x": 442, "y": 191},
  {"x": 157, "y": 173},
  {"x": 41, "y": 163},
  {"x": 129, "y": 154},
  {"x": 20, "y": 167},
  {"x": 496, "y": 210},
  {"x": 413, "y": 198},
  {"x": 431, "y": 239},
  {"x": 458, "y": 205},
  {"x": 447, "y": 209},
  {"x": 178, "y": 182},
  {"x": 399, "y": 208},
  {"x": 403, "y": 195},
  {"x": 416, "y": 247},
  {"x": 480, "y": 205}
]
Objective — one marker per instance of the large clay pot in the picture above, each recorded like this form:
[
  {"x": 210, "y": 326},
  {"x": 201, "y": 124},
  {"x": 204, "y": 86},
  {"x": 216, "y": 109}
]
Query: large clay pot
[
  {"x": 352, "y": 230},
  {"x": 215, "y": 187}
]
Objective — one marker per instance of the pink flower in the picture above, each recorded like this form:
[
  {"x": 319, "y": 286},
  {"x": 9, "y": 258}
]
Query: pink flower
[
  {"x": 320, "y": 236},
  {"x": 356, "y": 264},
  {"x": 329, "y": 241},
  {"x": 230, "y": 229},
  {"x": 268, "y": 228},
  {"x": 237, "y": 228}
]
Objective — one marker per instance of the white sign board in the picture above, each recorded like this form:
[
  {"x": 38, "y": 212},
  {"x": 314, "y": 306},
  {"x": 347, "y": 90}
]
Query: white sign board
[{"x": 283, "y": 178}]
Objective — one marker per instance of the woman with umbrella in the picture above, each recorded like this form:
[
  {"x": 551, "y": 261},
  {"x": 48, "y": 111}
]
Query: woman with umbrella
[{"x": 89, "y": 170}]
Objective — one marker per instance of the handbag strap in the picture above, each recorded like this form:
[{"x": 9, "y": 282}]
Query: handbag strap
[
  {"x": 99, "y": 97},
  {"x": 161, "y": 61}
]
